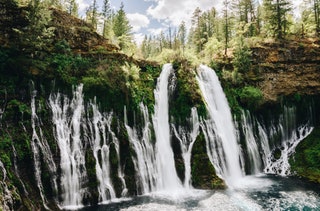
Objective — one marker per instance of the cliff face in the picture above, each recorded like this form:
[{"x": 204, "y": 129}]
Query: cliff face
[{"x": 287, "y": 68}]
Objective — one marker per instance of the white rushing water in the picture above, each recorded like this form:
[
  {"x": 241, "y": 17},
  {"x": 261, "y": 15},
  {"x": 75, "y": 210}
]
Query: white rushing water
[
  {"x": 291, "y": 135},
  {"x": 219, "y": 130},
  {"x": 6, "y": 202},
  {"x": 116, "y": 143},
  {"x": 40, "y": 146},
  {"x": 187, "y": 140},
  {"x": 66, "y": 118},
  {"x": 168, "y": 179},
  {"x": 100, "y": 145},
  {"x": 144, "y": 160},
  {"x": 252, "y": 147}
]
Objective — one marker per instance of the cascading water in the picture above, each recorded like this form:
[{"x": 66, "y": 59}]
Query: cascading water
[
  {"x": 40, "y": 146},
  {"x": 291, "y": 135},
  {"x": 100, "y": 145},
  {"x": 66, "y": 117},
  {"x": 251, "y": 142},
  {"x": 167, "y": 178},
  {"x": 7, "y": 197},
  {"x": 90, "y": 134},
  {"x": 187, "y": 140},
  {"x": 219, "y": 130},
  {"x": 115, "y": 141},
  {"x": 144, "y": 159}
]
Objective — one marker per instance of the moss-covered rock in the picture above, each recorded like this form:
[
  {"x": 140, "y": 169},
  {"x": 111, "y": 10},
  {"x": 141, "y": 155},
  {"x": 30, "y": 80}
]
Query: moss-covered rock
[
  {"x": 305, "y": 161},
  {"x": 186, "y": 93},
  {"x": 202, "y": 171}
]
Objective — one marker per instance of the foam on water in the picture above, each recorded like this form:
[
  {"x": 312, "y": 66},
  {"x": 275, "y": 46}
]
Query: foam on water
[
  {"x": 153, "y": 207},
  {"x": 297, "y": 200},
  {"x": 218, "y": 201},
  {"x": 179, "y": 195},
  {"x": 253, "y": 182}
]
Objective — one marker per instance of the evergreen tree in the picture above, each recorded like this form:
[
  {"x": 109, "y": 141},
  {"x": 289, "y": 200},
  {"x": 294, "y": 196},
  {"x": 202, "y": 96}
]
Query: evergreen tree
[
  {"x": 276, "y": 16},
  {"x": 38, "y": 34},
  {"x": 196, "y": 29},
  {"x": 107, "y": 16},
  {"x": 92, "y": 14},
  {"x": 121, "y": 24},
  {"x": 316, "y": 10},
  {"x": 226, "y": 26},
  {"x": 72, "y": 8},
  {"x": 246, "y": 13},
  {"x": 182, "y": 34},
  {"x": 122, "y": 28}
]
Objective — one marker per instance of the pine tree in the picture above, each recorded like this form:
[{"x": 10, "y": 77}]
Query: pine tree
[
  {"x": 276, "y": 16},
  {"x": 72, "y": 8},
  {"x": 121, "y": 24},
  {"x": 122, "y": 28},
  {"x": 226, "y": 27},
  {"x": 107, "y": 16},
  {"x": 38, "y": 34},
  {"x": 182, "y": 35},
  {"x": 246, "y": 13},
  {"x": 92, "y": 14},
  {"x": 196, "y": 26},
  {"x": 316, "y": 10}
]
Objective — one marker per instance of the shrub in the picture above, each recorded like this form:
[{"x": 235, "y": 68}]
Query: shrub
[
  {"x": 242, "y": 58},
  {"x": 251, "y": 96}
]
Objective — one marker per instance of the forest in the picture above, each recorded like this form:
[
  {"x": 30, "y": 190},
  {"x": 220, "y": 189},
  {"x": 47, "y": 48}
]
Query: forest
[
  {"x": 240, "y": 24},
  {"x": 81, "y": 118}
]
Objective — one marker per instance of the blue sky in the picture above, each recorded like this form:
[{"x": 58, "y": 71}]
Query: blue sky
[{"x": 154, "y": 16}]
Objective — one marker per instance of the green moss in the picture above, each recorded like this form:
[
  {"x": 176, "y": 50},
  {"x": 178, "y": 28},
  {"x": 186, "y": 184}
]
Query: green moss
[
  {"x": 251, "y": 96},
  {"x": 186, "y": 93},
  {"x": 305, "y": 161},
  {"x": 202, "y": 171}
]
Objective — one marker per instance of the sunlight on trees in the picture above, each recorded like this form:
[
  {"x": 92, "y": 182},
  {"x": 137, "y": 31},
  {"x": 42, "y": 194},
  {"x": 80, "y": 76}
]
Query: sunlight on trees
[{"x": 212, "y": 34}]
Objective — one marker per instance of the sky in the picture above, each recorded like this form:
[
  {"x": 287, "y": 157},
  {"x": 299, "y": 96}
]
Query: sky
[{"x": 153, "y": 16}]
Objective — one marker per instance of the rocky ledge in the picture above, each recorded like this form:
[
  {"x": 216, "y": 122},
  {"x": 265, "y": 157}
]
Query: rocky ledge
[{"x": 287, "y": 68}]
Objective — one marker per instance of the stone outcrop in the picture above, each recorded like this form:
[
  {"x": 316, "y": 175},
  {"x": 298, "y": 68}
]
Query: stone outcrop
[{"x": 287, "y": 68}]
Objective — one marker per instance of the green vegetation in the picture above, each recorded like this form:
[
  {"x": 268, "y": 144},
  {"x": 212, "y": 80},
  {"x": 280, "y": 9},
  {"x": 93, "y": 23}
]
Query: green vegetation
[
  {"x": 116, "y": 78},
  {"x": 186, "y": 93},
  {"x": 305, "y": 162},
  {"x": 202, "y": 171},
  {"x": 251, "y": 96}
]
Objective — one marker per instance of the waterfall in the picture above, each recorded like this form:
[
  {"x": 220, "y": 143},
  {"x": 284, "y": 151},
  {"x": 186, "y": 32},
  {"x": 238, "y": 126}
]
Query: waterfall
[
  {"x": 6, "y": 197},
  {"x": 187, "y": 140},
  {"x": 100, "y": 145},
  {"x": 168, "y": 178},
  {"x": 252, "y": 147},
  {"x": 66, "y": 118},
  {"x": 41, "y": 149},
  {"x": 219, "y": 130},
  {"x": 101, "y": 137},
  {"x": 264, "y": 142},
  {"x": 116, "y": 143},
  {"x": 291, "y": 135},
  {"x": 144, "y": 159}
]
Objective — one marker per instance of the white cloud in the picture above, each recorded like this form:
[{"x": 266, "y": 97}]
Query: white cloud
[
  {"x": 82, "y": 6},
  {"x": 156, "y": 31},
  {"x": 138, "y": 21},
  {"x": 138, "y": 38},
  {"x": 176, "y": 11}
]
